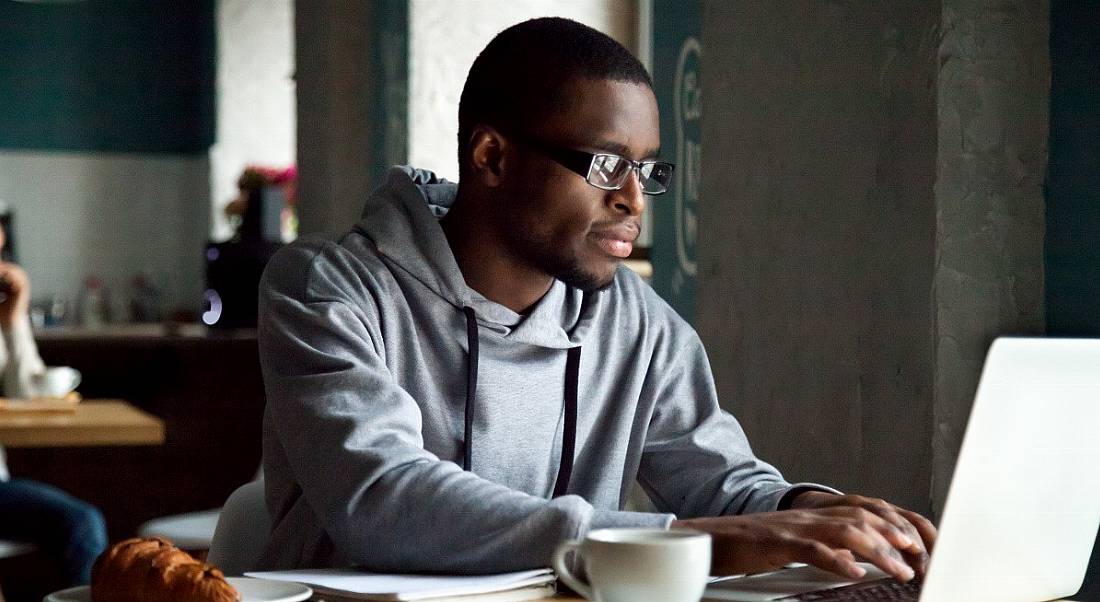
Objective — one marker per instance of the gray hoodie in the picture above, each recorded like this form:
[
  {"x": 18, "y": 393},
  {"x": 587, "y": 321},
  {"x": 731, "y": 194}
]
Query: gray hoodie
[{"x": 380, "y": 364}]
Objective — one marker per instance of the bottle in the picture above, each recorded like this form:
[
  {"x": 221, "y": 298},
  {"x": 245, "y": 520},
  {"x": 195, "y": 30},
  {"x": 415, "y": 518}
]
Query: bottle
[
  {"x": 144, "y": 300},
  {"x": 93, "y": 306}
]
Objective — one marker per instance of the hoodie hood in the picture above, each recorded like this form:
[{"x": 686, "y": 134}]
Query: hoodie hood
[{"x": 402, "y": 217}]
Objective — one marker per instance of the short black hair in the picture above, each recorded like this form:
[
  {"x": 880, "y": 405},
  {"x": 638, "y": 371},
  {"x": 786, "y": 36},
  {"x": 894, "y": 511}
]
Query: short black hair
[{"x": 518, "y": 78}]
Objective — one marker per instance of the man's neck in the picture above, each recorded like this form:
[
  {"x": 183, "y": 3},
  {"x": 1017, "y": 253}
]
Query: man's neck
[{"x": 486, "y": 264}]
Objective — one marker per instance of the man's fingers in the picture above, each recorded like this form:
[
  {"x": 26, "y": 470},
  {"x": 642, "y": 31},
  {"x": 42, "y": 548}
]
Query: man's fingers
[
  {"x": 831, "y": 537},
  {"x": 916, "y": 555},
  {"x": 908, "y": 538},
  {"x": 868, "y": 542},
  {"x": 903, "y": 534},
  {"x": 915, "y": 534},
  {"x": 919, "y": 562},
  {"x": 847, "y": 554},
  {"x": 839, "y": 561},
  {"x": 924, "y": 526}
]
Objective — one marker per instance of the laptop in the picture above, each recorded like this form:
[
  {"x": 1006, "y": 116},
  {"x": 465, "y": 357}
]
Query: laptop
[{"x": 1024, "y": 504}]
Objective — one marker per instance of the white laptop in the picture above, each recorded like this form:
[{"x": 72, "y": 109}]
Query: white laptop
[{"x": 1022, "y": 512}]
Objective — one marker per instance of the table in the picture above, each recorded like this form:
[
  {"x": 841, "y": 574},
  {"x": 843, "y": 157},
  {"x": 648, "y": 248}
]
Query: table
[
  {"x": 95, "y": 422},
  {"x": 205, "y": 384}
]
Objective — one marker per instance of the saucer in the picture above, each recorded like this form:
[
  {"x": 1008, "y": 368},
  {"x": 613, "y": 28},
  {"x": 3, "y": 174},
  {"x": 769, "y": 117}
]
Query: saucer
[{"x": 251, "y": 590}]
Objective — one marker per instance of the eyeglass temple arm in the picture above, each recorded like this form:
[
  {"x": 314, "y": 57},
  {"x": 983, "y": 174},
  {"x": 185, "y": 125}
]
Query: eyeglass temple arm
[{"x": 576, "y": 161}]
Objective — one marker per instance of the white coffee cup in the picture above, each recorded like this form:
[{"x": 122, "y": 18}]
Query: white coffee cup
[
  {"x": 638, "y": 565},
  {"x": 59, "y": 381}
]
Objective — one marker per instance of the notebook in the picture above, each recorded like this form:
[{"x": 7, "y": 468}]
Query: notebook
[
  {"x": 1024, "y": 504},
  {"x": 353, "y": 584}
]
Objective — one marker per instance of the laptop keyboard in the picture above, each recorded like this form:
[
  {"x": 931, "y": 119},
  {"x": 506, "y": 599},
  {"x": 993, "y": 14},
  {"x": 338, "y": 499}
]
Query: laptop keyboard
[{"x": 881, "y": 590}]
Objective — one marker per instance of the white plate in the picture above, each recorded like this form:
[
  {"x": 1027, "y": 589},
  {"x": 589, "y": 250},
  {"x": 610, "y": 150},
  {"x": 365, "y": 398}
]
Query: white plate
[{"x": 251, "y": 590}]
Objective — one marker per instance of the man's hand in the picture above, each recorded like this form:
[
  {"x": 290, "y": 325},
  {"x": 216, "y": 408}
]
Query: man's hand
[
  {"x": 830, "y": 537},
  {"x": 919, "y": 529},
  {"x": 16, "y": 291}
]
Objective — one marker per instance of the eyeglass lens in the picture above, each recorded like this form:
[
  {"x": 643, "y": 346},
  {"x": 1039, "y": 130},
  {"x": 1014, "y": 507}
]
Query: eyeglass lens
[{"x": 611, "y": 171}]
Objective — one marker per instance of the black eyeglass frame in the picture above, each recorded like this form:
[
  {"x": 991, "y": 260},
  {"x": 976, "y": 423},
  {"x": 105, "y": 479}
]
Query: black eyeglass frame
[{"x": 583, "y": 163}]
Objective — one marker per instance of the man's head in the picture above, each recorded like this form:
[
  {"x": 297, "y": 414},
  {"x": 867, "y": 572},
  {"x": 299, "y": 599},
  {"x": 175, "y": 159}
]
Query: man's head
[{"x": 538, "y": 98}]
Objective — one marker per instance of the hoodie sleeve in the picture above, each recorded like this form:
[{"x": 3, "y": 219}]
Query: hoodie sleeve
[
  {"x": 352, "y": 439},
  {"x": 697, "y": 460}
]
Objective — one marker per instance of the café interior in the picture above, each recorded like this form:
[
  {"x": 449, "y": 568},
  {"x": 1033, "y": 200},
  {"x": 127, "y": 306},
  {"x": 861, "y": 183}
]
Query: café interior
[{"x": 866, "y": 195}]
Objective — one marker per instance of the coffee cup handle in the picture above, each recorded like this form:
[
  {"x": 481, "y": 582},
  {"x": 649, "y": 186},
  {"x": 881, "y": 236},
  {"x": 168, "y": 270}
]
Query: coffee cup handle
[{"x": 562, "y": 568}]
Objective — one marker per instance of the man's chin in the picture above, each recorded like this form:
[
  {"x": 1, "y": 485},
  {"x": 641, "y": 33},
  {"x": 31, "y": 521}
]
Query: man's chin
[{"x": 588, "y": 280}]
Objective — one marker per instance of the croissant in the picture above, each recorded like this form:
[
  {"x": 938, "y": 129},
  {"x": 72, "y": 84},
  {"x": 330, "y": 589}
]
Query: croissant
[{"x": 142, "y": 569}]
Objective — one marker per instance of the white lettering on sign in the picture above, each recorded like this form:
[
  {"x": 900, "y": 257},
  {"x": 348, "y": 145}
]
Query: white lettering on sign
[
  {"x": 688, "y": 110},
  {"x": 692, "y": 97}
]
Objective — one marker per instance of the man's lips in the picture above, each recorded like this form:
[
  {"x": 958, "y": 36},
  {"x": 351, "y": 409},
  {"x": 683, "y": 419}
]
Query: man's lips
[{"x": 617, "y": 241}]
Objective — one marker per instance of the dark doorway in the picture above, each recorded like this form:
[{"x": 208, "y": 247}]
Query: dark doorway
[{"x": 1073, "y": 188}]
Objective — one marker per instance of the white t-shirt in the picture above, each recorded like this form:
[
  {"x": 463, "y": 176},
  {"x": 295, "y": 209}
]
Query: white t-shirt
[{"x": 21, "y": 368}]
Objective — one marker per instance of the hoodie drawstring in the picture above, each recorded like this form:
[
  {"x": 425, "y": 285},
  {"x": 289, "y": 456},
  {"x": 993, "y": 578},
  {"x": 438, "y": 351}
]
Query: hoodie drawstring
[
  {"x": 471, "y": 386},
  {"x": 569, "y": 433}
]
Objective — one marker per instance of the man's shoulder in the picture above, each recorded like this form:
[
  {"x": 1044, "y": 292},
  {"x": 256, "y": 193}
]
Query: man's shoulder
[{"x": 322, "y": 261}]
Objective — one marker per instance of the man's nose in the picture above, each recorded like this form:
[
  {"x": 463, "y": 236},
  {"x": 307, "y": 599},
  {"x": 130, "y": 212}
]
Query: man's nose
[{"x": 628, "y": 199}]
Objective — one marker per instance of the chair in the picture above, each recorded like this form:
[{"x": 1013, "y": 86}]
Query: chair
[
  {"x": 190, "y": 531},
  {"x": 243, "y": 531},
  {"x": 9, "y": 548}
]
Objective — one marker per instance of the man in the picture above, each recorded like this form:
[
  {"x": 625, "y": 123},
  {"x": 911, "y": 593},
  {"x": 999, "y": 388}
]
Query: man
[{"x": 469, "y": 376}]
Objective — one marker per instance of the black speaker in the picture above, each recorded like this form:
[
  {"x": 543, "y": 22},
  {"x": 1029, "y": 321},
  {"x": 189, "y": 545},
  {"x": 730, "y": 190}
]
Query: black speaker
[
  {"x": 233, "y": 271},
  {"x": 234, "y": 268}
]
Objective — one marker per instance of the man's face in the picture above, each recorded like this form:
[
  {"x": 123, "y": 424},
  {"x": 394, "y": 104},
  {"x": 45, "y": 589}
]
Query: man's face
[{"x": 553, "y": 219}]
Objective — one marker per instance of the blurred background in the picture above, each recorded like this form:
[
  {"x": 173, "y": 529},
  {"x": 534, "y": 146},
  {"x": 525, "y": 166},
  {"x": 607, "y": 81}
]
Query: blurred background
[{"x": 866, "y": 194}]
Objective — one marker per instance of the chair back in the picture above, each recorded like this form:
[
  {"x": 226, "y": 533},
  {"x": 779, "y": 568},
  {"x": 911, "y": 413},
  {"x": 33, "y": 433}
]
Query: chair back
[
  {"x": 9, "y": 548},
  {"x": 242, "y": 532}
]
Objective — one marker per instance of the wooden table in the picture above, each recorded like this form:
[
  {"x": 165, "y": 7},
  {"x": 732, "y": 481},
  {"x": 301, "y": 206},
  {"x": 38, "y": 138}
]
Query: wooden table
[{"x": 95, "y": 422}]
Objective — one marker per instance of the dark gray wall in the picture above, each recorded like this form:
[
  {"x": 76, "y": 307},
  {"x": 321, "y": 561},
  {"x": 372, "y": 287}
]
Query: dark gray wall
[
  {"x": 817, "y": 231},
  {"x": 820, "y": 230},
  {"x": 1073, "y": 184}
]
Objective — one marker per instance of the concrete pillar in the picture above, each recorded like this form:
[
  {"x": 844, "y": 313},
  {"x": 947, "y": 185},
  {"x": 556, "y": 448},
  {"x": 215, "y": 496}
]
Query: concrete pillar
[
  {"x": 351, "y": 85},
  {"x": 994, "y": 91}
]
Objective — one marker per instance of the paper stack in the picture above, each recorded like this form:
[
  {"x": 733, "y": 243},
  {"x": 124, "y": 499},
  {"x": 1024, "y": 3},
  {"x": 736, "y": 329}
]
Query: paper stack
[{"x": 337, "y": 585}]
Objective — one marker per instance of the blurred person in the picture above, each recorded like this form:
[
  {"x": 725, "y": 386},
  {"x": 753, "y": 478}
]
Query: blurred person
[{"x": 71, "y": 532}]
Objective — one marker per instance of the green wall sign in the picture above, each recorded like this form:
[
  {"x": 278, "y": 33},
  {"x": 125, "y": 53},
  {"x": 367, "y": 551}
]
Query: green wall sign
[
  {"x": 107, "y": 76},
  {"x": 677, "y": 60}
]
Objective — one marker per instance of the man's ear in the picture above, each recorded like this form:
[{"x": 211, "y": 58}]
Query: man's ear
[{"x": 486, "y": 157}]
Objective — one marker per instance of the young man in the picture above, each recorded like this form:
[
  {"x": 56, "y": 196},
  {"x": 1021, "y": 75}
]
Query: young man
[{"x": 469, "y": 376}]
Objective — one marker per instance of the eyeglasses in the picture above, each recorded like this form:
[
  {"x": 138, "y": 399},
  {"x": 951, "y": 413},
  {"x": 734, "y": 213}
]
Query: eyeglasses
[{"x": 605, "y": 170}]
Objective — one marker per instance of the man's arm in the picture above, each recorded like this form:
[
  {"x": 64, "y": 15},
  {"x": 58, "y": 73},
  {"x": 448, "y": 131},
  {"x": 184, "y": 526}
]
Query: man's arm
[
  {"x": 696, "y": 460},
  {"x": 353, "y": 439}
]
